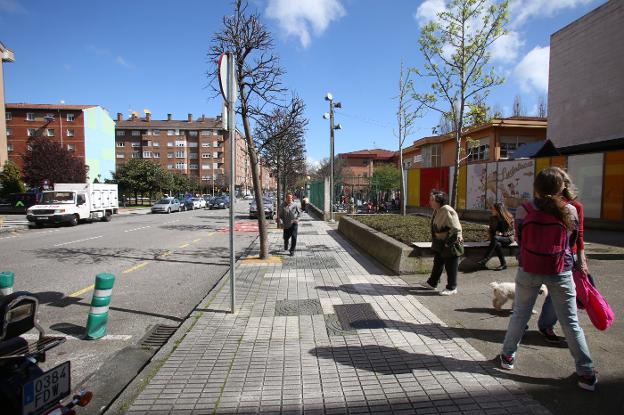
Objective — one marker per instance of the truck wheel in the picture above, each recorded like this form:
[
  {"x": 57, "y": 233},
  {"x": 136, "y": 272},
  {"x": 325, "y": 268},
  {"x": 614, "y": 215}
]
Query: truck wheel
[
  {"x": 108, "y": 216},
  {"x": 73, "y": 221}
]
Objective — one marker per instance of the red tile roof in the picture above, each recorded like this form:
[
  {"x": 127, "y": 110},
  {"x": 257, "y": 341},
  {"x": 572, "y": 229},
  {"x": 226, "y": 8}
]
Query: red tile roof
[
  {"x": 370, "y": 154},
  {"x": 47, "y": 106}
]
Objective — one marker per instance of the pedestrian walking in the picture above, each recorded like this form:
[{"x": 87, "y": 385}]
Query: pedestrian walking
[
  {"x": 501, "y": 234},
  {"x": 548, "y": 317},
  {"x": 546, "y": 230},
  {"x": 289, "y": 215},
  {"x": 446, "y": 242},
  {"x": 304, "y": 204}
]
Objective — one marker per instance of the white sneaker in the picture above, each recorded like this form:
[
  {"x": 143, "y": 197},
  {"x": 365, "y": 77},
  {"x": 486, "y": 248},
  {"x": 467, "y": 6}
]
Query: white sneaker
[
  {"x": 449, "y": 292},
  {"x": 427, "y": 285}
]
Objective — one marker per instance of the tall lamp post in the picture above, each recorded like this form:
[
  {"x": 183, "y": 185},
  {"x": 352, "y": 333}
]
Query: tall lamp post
[{"x": 330, "y": 115}]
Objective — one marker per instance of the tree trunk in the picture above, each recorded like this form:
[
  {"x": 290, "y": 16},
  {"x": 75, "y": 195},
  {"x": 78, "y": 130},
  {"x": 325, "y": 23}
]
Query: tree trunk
[
  {"x": 279, "y": 198},
  {"x": 403, "y": 200},
  {"x": 453, "y": 190}
]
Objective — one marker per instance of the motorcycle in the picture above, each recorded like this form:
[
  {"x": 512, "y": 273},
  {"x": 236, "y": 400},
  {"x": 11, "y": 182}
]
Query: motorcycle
[{"x": 25, "y": 389}]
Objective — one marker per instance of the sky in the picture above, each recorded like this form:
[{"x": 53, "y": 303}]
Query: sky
[{"x": 151, "y": 54}]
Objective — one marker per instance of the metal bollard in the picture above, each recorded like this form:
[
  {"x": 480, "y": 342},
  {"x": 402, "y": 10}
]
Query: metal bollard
[
  {"x": 6, "y": 283},
  {"x": 98, "y": 314}
]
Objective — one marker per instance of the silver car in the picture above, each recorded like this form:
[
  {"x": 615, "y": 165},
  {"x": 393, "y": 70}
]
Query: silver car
[{"x": 166, "y": 205}]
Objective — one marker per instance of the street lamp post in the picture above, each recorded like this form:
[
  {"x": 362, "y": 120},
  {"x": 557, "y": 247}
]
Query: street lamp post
[{"x": 330, "y": 116}]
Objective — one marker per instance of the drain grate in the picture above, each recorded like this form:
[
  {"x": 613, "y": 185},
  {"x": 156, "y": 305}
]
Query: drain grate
[
  {"x": 157, "y": 336},
  {"x": 334, "y": 328},
  {"x": 298, "y": 307},
  {"x": 358, "y": 316}
]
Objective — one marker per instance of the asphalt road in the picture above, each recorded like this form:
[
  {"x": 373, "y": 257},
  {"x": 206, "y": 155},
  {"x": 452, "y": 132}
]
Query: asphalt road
[
  {"x": 543, "y": 370},
  {"x": 164, "y": 266}
]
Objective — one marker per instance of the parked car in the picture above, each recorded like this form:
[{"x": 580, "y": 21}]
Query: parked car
[
  {"x": 268, "y": 209},
  {"x": 199, "y": 202},
  {"x": 220, "y": 203},
  {"x": 248, "y": 197},
  {"x": 209, "y": 200},
  {"x": 186, "y": 204},
  {"x": 166, "y": 205}
]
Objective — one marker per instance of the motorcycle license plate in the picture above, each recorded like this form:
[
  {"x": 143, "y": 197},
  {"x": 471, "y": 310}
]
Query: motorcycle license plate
[{"x": 47, "y": 390}]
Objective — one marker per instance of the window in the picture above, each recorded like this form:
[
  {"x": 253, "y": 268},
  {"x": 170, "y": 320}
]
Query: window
[
  {"x": 121, "y": 144},
  {"x": 9, "y": 147},
  {"x": 136, "y": 155},
  {"x": 70, "y": 132},
  {"x": 177, "y": 132},
  {"x": 31, "y": 132},
  {"x": 169, "y": 155},
  {"x": 204, "y": 132},
  {"x": 147, "y": 143},
  {"x": 192, "y": 144},
  {"x": 170, "y": 166},
  {"x": 215, "y": 155},
  {"x": 170, "y": 132},
  {"x": 205, "y": 155},
  {"x": 205, "y": 178},
  {"x": 9, "y": 131},
  {"x": 71, "y": 117},
  {"x": 206, "y": 167},
  {"x": 136, "y": 144},
  {"x": 181, "y": 166},
  {"x": 193, "y": 133},
  {"x": 205, "y": 145},
  {"x": 136, "y": 133},
  {"x": 214, "y": 132},
  {"x": 481, "y": 150},
  {"x": 121, "y": 133},
  {"x": 169, "y": 144},
  {"x": 156, "y": 155},
  {"x": 431, "y": 155},
  {"x": 215, "y": 165},
  {"x": 180, "y": 154},
  {"x": 121, "y": 156},
  {"x": 155, "y": 132},
  {"x": 193, "y": 155},
  {"x": 30, "y": 116},
  {"x": 509, "y": 144},
  {"x": 29, "y": 147},
  {"x": 193, "y": 166},
  {"x": 155, "y": 144},
  {"x": 50, "y": 132},
  {"x": 8, "y": 116},
  {"x": 180, "y": 143},
  {"x": 215, "y": 144},
  {"x": 71, "y": 147},
  {"x": 147, "y": 154}
]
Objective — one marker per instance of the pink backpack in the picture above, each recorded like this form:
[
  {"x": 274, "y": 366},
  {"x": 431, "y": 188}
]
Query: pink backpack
[
  {"x": 544, "y": 242},
  {"x": 589, "y": 298}
]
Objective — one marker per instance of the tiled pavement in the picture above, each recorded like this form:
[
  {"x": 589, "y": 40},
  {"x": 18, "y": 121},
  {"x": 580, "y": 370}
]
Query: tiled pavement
[{"x": 317, "y": 353}]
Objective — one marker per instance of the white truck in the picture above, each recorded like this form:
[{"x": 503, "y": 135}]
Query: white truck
[{"x": 73, "y": 202}]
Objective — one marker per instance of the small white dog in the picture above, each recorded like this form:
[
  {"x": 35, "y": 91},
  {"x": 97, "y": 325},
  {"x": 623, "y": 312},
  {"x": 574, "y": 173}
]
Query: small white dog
[{"x": 504, "y": 291}]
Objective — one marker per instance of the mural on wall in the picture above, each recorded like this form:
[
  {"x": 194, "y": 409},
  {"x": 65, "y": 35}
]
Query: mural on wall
[
  {"x": 515, "y": 182},
  {"x": 586, "y": 173},
  {"x": 490, "y": 193},
  {"x": 476, "y": 186}
]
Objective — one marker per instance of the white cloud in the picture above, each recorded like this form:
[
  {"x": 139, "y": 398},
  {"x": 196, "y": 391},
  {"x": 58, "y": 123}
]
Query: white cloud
[
  {"x": 428, "y": 11},
  {"x": 122, "y": 62},
  {"x": 300, "y": 18},
  {"x": 521, "y": 10},
  {"x": 532, "y": 71},
  {"x": 97, "y": 51},
  {"x": 12, "y": 6},
  {"x": 507, "y": 47}
]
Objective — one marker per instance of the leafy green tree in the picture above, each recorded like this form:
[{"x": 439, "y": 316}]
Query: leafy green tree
[
  {"x": 387, "y": 177},
  {"x": 455, "y": 49},
  {"x": 139, "y": 176},
  {"x": 10, "y": 180},
  {"x": 48, "y": 160}
]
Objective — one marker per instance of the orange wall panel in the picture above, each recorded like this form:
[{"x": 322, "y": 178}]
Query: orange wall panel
[{"x": 613, "y": 187}]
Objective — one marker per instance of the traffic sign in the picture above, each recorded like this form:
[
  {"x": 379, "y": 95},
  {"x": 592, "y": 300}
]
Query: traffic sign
[{"x": 223, "y": 79}]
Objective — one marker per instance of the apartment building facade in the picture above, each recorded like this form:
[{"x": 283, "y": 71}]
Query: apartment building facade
[
  {"x": 85, "y": 130},
  {"x": 197, "y": 148},
  {"x": 6, "y": 55}
]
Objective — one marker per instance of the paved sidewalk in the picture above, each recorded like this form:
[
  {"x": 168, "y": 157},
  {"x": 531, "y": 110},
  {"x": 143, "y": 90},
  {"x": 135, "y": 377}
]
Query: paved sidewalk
[{"x": 325, "y": 331}]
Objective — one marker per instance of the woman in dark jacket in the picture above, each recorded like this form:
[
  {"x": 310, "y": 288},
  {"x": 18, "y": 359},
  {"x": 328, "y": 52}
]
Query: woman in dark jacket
[{"x": 501, "y": 234}]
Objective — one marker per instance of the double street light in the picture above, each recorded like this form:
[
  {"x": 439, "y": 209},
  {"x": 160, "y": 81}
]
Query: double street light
[{"x": 330, "y": 116}]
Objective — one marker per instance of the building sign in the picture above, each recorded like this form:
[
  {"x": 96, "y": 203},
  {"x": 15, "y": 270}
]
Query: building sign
[{"x": 515, "y": 182}]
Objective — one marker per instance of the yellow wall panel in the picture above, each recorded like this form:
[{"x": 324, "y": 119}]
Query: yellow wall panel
[
  {"x": 413, "y": 187},
  {"x": 559, "y": 161},
  {"x": 541, "y": 163},
  {"x": 461, "y": 187},
  {"x": 613, "y": 188}
]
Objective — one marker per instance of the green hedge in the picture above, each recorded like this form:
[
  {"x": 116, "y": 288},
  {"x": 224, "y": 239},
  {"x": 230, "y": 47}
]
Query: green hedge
[{"x": 415, "y": 228}]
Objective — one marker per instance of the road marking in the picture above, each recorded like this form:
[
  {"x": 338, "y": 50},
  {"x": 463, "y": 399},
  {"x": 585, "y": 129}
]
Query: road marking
[
  {"x": 79, "y": 240},
  {"x": 137, "y": 229},
  {"x": 196, "y": 240},
  {"x": 183, "y": 245},
  {"x": 33, "y": 336},
  {"x": 134, "y": 268},
  {"x": 80, "y": 292}
]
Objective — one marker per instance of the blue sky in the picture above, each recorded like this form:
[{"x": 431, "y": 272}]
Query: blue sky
[{"x": 152, "y": 54}]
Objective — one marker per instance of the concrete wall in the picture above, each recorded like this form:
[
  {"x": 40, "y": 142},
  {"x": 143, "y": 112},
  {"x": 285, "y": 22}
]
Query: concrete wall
[
  {"x": 586, "y": 86},
  {"x": 99, "y": 129}
]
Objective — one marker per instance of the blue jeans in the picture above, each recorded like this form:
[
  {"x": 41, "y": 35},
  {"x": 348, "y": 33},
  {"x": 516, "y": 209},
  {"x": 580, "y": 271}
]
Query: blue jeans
[
  {"x": 561, "y": 288},
  {"x": 548, "y": 317}
]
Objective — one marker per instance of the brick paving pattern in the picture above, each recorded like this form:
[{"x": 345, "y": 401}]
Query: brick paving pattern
[{"x": 298, "y": 346}]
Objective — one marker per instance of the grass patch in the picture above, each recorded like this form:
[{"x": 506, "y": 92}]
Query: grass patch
[{"x": 416, "y": 228}]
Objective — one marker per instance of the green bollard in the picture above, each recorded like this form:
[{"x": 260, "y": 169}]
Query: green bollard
[
  {"x": 98, "y": 314},
  {"x": 6, "y": 283}
]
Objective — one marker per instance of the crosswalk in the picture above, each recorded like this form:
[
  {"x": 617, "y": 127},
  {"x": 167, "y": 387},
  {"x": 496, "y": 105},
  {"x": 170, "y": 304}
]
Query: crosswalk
[{"x": 11, "y": 222}]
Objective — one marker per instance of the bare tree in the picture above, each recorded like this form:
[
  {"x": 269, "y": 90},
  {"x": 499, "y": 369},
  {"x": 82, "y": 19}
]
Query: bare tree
[
  {"x": 455, "y": 50},
  {"x": 406, "y": 116},
  {"x": 518, "y": 109},
  {"x": 541, "y": 107},
  {"x": 258, "y": 77}
]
